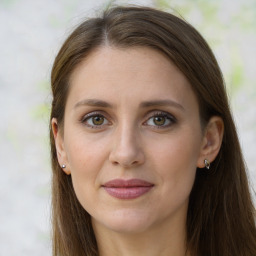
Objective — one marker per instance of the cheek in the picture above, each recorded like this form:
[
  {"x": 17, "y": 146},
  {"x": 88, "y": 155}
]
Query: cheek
[
  {"x": 175, "y": 160},
  {"x": 85, "y": 159},
  {"x": 86, "y": 155},
  {"x": 177, "y": 150},
  {"x": 85, "y": 152}
]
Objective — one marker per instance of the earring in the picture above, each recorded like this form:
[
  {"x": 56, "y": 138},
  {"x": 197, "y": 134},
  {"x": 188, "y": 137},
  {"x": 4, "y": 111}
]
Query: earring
[
  {"x": 207, "y": 164},
  {"x": 63, "y": 166}
]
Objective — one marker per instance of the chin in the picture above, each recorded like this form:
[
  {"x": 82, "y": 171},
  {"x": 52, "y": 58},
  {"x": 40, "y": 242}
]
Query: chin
[{"x": 129, "y": 222}]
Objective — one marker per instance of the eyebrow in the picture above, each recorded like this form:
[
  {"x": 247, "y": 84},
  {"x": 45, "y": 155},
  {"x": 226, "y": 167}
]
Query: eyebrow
[
  {"x": 155, "y": 103},
  {"x": 93, "y": 103},
  {"x": 144, "y": 104}
]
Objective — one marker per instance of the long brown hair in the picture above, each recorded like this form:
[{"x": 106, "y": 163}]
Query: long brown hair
[{"x": 221, "y": 216}]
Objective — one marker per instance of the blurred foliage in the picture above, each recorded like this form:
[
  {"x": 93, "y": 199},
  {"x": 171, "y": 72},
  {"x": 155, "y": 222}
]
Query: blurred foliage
[
  {"x": 12, "y": 137},
  {"x": 237, "y": 76},
  {"x": 225, "y": 25},
  {"x": 7, "y": 3},
  {"x": 41, "y": 112}
]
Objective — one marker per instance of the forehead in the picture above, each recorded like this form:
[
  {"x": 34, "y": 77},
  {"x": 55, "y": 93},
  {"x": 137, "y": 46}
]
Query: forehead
[
  {"x": 131, "y": 60},
  {"x": 121, "y": 74}
]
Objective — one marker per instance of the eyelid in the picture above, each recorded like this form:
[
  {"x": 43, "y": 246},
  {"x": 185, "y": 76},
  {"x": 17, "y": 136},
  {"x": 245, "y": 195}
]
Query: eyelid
[
  {"x": 156, "y": 113},
  {"x": 93, "y": 114},
  {"x": 149, "y": 115}
]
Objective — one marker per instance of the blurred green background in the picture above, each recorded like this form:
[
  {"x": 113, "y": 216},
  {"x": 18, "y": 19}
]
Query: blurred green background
[{"x": 31, "y": 34}]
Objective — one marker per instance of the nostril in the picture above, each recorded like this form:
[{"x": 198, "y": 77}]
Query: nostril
[
  {"x": 126, "y": 152},
  {"x": 126, "y": 163}
]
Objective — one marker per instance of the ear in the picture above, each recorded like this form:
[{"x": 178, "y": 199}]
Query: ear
[
  {"x": 212, "y": 141},
  {"x": 59, "y": 144}
]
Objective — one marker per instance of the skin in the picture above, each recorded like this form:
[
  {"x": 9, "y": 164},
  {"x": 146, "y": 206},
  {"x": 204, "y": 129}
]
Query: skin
[{"x": 130, "y": 143}]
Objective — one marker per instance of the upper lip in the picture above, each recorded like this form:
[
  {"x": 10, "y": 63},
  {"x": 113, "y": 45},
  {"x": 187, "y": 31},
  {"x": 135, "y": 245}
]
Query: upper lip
[{"x": 120, "y": 183}]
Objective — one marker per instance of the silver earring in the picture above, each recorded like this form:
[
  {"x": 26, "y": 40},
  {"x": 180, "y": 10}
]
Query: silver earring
[
  {"x": 63, "y": 166},
  {"x": 207, "y": 164}
]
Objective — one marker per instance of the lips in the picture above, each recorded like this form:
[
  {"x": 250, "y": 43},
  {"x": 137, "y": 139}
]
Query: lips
[{"x": 127, "y": 189}]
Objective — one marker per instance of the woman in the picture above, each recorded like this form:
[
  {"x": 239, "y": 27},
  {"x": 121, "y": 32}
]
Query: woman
[{"x": 145, "y": 154}]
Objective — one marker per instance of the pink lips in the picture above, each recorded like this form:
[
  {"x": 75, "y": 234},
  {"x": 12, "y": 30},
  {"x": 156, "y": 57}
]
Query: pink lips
[{"x": 127, "y": 189}]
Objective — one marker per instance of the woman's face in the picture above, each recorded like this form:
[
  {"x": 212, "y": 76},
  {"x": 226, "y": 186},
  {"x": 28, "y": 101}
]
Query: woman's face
[{"x": 132, "y": 139}]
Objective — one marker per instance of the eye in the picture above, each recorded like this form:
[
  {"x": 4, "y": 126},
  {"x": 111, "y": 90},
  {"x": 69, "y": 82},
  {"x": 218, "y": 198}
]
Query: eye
[
  {"x": 161, "y": 120},
  {"x": 95, "y": 120}
]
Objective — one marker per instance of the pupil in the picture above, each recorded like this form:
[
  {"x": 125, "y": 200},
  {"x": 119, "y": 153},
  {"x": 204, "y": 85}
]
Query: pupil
[
  {"x": 97, "y": 120},
  {"x": 159, "y": 120}
]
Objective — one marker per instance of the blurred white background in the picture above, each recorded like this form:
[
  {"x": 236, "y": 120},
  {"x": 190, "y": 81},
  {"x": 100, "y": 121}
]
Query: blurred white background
[{"x": 31, "y": 32}]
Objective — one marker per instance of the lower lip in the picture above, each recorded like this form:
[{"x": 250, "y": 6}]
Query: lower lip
[{"x": 127, "y": 192}]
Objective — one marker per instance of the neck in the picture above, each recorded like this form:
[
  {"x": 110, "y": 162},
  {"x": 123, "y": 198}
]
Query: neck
[{"x": 167, "y": 239}]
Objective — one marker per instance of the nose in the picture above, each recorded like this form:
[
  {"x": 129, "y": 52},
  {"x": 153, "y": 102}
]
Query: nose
[{"x": 126, "y": 149}]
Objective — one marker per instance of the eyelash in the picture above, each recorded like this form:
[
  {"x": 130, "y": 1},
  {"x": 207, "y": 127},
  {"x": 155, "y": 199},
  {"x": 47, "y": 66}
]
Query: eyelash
[
  {"x": 172, "y": 120},
  {"x": 90, "y": 116}
]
